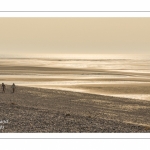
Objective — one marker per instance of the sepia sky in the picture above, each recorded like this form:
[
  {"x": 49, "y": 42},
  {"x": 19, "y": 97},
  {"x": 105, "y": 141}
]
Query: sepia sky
[{"x": 74, "y": 35}]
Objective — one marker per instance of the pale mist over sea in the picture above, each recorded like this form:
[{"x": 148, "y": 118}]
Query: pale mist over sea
[{"x": 106, "y": 74}]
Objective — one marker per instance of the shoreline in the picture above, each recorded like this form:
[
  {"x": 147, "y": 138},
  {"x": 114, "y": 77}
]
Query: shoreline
[{"x": 57, "y": 111}]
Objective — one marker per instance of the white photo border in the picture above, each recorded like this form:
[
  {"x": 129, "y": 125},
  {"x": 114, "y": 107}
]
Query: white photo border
[{"x": 71, "y": 14}]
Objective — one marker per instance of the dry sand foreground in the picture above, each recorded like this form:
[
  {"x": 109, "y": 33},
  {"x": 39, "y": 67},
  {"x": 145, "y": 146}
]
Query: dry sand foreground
[{"x": 46, "y": 110}]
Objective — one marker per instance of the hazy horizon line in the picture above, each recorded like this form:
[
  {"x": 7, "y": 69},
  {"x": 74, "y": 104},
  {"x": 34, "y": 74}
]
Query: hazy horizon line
[{"x": 76, "y": 56}]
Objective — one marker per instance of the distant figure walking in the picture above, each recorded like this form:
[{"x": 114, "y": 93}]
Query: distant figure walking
[
  {"x": 3, "y": 87},
  {"x": 13, "y": 87}
]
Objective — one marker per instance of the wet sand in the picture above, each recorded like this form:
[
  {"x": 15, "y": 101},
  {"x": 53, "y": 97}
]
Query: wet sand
[
  {"x": 128, "y": 78},
  {"x": 46, "y": 110}
]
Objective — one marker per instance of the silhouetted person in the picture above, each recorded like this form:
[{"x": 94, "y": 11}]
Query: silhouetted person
[
  {"x": 3, "y": 87},
  {"x": 13, "y": 87}
]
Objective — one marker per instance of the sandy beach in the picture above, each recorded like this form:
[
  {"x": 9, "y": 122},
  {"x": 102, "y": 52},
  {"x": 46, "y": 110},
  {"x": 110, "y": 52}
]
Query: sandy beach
[
  {"x": 75, "y": 95},
  {"x": 56, "y": 111}
]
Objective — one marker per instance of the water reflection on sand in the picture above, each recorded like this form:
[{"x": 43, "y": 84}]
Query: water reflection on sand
[{"x": 114, "y": 77}]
